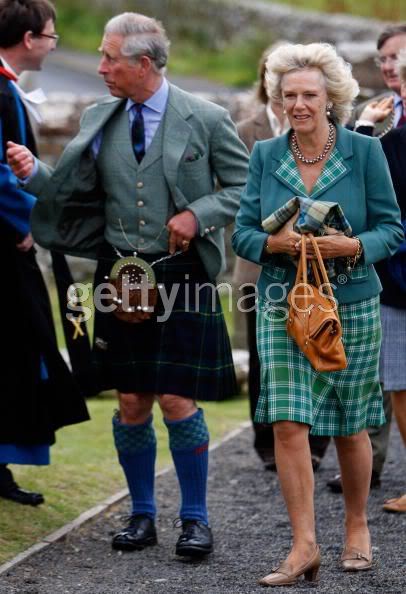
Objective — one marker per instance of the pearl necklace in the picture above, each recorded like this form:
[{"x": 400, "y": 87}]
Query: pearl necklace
[{"x": 298, "y": 153}]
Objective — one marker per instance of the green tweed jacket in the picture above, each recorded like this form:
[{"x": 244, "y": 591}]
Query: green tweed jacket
[
  {"x": 358, "y": 179},
  {"x": 69, "y": 214}
]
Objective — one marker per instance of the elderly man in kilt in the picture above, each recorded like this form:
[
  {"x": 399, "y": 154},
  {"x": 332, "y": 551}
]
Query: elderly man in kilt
[{"x": 141, "y": 178}]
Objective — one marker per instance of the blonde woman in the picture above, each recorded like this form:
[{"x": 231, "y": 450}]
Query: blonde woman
[{"x": 322, "y": 160}]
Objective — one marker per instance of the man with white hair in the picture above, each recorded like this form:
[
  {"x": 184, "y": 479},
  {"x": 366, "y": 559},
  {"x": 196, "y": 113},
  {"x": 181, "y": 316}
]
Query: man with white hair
[
  {"x": 140, "y": 178},
  {"x": 387, "y": 108}
]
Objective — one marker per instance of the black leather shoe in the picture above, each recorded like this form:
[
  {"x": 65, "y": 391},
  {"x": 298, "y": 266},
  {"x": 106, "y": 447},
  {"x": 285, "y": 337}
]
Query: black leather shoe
[
  {"x": 139, "y": 533},
  {"x": 336, "y": 486},
  {"x": 22, "y": 496},
  {"x": 316, "y": 461},
  {"x": 270, "y": 463},
  {"x": 196, "y": 539}
]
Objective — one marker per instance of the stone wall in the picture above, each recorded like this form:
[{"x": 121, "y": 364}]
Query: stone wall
[{"x": 219, "y": 22}]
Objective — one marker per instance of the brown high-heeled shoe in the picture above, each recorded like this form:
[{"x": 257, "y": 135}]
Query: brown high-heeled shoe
[
  {"x": 285, "y": 574},
  {"x": 355, "y": 560}
]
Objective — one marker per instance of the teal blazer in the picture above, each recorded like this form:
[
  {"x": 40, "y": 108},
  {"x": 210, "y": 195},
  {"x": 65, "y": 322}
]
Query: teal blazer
[
  {"x": 69, "y": 213},
  {"x": 362, "y": 187}
]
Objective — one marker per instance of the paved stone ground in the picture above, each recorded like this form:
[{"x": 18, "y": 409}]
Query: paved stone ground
[{"x": 251, "y": 529}]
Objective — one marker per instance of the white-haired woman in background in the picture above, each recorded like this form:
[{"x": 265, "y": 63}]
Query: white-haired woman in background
[{"x": 322, "y": 160}]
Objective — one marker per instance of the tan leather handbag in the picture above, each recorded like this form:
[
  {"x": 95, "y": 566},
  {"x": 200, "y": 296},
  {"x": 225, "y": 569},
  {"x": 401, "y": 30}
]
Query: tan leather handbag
[{"x": 313, "y": 320}]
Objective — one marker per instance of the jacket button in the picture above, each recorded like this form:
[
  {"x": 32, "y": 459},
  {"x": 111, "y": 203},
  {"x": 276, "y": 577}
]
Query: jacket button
[
  {"x": 140, "y": 203},
  {"x": 142, "y": 223},
  {"x": 207, "y": 230},
  {"x": 140, "y": 185},
  {"x": 213, "y": 228}
]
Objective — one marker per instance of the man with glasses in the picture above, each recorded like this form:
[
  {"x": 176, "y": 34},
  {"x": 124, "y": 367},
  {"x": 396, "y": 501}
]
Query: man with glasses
[
  {"x": 387, "y": 108},
  {"x": 38, "y": 392},
  {"x": 378, "y": 117}
]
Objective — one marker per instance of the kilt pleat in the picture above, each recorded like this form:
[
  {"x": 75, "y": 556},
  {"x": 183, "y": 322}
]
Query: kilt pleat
[
  {"x": 332, "y": 403},
  {"x": 189, "y": 354},
  {"x": 392, "y": 370}
]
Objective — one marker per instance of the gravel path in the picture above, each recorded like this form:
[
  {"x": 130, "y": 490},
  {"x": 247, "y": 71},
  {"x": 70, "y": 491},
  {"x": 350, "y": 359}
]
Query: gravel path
[{"x": 251, "y": 531}]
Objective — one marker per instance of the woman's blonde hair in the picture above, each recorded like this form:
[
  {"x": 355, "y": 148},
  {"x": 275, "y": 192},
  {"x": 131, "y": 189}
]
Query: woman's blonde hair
[
  {"x": 401, "y": 65},
  {"x": 341, "y": 86}
]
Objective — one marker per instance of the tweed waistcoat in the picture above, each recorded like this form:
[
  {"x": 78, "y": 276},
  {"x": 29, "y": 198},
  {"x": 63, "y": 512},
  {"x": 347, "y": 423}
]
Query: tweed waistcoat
[{"x": 135, "y": 218}]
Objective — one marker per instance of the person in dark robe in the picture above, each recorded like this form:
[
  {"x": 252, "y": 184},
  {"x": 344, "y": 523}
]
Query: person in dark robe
[{"x": 39, "y": 393}]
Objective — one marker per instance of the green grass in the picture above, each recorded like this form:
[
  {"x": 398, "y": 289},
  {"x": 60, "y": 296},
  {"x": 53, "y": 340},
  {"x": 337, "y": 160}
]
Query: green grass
[
  {"x": 84, "y": 471},
  {"x": 233, "y": 64},
  {"x": 84, "y": 468},
  {"x": 389, "y": 10}
]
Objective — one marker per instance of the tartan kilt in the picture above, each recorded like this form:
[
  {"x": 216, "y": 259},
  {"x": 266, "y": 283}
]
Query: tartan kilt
[
  {"x": 392, "y": 369},
  {"x": 189, "y": 354},
  {"x": 333, "y": 403}
]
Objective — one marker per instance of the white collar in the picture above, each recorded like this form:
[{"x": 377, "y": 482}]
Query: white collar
[{"x": 32, "y": 99}]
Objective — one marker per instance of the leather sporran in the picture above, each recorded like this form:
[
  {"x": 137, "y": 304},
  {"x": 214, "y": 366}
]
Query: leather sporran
[
  {"x": 137, "y": 293},
  {"x": 313, "y": 320}
]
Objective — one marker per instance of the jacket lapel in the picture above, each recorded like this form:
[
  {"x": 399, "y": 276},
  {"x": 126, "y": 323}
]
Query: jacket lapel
[
  {"x": 176, "y": 134},
  {"x": 285, "y": 170},
  {"x": 283, "y": 165},
  {"x": 339, "y": 165},
  {"x": 96, "y": 119}
]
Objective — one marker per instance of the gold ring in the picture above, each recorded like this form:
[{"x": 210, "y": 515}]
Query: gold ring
[{"x": 185, "y": 242}]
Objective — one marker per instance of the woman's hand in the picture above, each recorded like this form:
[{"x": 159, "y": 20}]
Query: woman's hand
[
  {"x": 284, "y": 241},
  {"x": 331, "y": 246},
  {"x": 377, "y": 111}
]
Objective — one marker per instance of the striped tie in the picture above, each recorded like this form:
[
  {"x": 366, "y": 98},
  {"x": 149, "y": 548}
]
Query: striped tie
[{"x": 138, "y": 132}]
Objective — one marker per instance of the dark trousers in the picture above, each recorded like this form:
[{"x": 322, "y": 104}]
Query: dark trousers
[
  {"x": 6, "y": 478},
  {"x": 264, "y": 440}
]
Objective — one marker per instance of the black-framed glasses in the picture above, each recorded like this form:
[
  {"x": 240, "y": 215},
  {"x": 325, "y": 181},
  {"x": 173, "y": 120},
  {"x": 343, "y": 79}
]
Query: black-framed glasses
[{"x": 53, "y": 36}]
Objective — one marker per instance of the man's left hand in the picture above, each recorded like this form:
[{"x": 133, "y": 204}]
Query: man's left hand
[{"x": 182, "y": 229}]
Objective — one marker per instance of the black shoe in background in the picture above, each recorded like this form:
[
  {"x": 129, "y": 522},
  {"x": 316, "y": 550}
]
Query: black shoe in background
[
  {"x": 138, "y": 534},
  {"x": 22, "y": 496},
  {"x": 336, "y": 486},
  {"x": 10, "y": 490},
  {"x": 270, "y": 463},
  {"x": 316, "y": 461},
  {"x": 196, "y": 539}
]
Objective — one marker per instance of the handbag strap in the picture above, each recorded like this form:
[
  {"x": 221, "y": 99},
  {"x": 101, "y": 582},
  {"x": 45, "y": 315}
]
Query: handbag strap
[
  {"x": 301, "y": 273},
  {"x": 321, "y": 267}
]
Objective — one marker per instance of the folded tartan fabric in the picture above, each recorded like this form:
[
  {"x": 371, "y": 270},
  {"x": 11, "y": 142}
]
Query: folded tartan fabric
[{"x": 314, "y": 216}]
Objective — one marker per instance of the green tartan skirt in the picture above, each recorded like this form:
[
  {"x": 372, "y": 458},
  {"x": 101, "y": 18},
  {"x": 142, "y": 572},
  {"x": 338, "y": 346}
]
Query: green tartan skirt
[{"x": 333, "y": 403}]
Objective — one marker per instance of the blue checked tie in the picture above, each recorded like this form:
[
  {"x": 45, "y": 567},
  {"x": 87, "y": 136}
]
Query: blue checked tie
[{"x": 138, "y": 132}]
